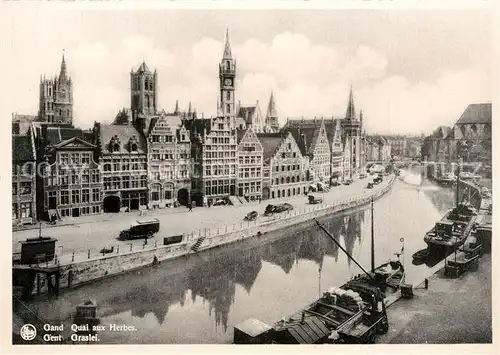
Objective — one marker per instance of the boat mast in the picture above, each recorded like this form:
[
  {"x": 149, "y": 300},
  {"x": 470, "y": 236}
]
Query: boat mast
[
  {"x": 373, "y": 243},
  {"x": 340, "y": 246},
  {"x": 458, "y": 180}
]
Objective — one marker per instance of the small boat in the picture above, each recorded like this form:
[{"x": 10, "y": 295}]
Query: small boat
[
  {"x": 387, "y": 277},
  {"x": 453, "y": 229},
  {"x": 420, "y": 256}
]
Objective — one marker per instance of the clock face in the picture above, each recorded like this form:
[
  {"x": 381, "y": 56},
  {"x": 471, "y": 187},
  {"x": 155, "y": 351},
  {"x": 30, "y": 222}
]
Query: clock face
[{"x": 228, "y": 81}]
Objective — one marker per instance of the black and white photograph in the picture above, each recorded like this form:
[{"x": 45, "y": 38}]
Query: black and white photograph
[{"x": 211, "y": 175}]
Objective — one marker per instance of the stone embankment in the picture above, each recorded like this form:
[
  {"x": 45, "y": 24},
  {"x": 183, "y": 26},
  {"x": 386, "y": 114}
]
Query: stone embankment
[{"x": 78, "y": 269}]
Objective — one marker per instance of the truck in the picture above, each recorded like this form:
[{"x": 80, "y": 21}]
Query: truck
[{"x": 141, "y": 229}]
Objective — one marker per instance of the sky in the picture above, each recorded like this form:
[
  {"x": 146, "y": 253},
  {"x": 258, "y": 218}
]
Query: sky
[{"x": 410, "y": 71}]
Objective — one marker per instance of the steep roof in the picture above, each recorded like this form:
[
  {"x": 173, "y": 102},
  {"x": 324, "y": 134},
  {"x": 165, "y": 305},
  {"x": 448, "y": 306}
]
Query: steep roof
[
  {"x": 123, "y": 133},
  {"x": 476, "y": 113},
  {"x": 271, "y": 108},
  {"x": 270, "y": 143},
  {"x": 143, "y": 68},
  {"x": 350, "y": 112},
  {"x": 22, "y": 148},
  {"x": 240, "y": 133},
  {"x": 247, "y": 113}
]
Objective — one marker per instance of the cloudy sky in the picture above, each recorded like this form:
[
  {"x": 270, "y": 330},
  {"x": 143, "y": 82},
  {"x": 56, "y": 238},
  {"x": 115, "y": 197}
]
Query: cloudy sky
[{"x": 410, "y": 70}]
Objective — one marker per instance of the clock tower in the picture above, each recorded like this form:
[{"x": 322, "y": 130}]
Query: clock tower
[{"x": 227, "y": 74}]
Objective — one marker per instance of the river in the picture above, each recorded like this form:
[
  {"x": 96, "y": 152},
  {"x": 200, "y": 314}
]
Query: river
[{"x": 198, "y": 299}]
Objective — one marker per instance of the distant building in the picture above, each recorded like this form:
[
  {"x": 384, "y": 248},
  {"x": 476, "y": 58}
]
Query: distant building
[
  {"x": 271, "y": 122},
  {"x": 252, "y": 117},
  {"x": 56, "y": 98},
  {"x": 377, "y": 149},
  {"x": 250, "y": 174},
  {"x": 286, "y": 165},
  {"x": 143, "y": 91},
  {"x": 70, "y": 183},
  {"x": 312, "y": 140},
  {"x": 214, "y": 141},
  {"x": 123, "y": 157},
  {"x": 398, "y": 145},
  {"x": 23, "y": 178},
  {"x": 169, "y": 157}
]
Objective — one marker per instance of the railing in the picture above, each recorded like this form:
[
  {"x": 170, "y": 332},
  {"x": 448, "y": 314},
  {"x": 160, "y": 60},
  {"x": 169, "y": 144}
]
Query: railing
[{"x": 217, "y": 235}]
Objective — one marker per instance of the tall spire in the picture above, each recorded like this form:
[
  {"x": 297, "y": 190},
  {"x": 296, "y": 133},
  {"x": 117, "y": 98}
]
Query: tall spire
[
  {"x": 227, "y": 47},
  {"x": 271, "y": 108},
  {"x": 176, "y": 107},
  {"x": 350, "y": 113},
  {"x": 189, "y": 108},
  {"x": 62, "y": 75}
]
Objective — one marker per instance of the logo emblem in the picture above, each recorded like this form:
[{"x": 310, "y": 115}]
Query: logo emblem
[{"x": 28, "y": 332}]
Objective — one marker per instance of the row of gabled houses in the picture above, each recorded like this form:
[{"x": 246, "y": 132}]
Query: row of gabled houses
[{"x": 148, "y": 158}]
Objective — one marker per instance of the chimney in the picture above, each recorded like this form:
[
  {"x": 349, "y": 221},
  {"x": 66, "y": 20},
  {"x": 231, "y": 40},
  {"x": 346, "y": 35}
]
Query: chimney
[{"x": 302, "y": 321}]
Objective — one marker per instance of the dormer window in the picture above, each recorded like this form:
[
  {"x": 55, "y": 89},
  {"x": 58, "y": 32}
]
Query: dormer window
[
  {"x": 133, "y": 144},
  {"x": 115, "y": 144}
]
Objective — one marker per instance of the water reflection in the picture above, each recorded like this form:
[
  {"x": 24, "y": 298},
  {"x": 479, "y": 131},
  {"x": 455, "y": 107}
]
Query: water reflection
[
  {"x": 200, "y": 297},
  {"x": 214, "y": 278}
]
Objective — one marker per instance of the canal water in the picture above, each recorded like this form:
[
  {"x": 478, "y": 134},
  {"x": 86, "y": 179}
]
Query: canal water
[{"x": 198, "y": 299}]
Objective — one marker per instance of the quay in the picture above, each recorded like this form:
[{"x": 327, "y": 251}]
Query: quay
[{"x": 78, "y": 269}]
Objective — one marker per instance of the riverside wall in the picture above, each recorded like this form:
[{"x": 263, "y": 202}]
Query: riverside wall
[{"x": 79, "y": 272}]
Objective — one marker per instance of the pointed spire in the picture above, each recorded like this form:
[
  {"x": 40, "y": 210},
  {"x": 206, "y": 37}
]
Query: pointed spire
[
  {"x": 227, "y": 47},
  {"x": 189, "y": 108},
  {"x": 62, "y": 75},
  {"x": 350, "y": 113},
  {"x": 271, "y": 108},
  {"x": 176, "y": 107}
]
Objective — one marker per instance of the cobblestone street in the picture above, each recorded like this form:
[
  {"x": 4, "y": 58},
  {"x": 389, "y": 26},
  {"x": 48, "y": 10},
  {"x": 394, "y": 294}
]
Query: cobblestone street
[
  {"x": 451, "y": 311},
  {"x": 95, "y": 232}
]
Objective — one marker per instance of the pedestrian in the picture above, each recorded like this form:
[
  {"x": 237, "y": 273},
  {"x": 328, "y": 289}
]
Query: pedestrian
[{"x": 190, "y": 206}]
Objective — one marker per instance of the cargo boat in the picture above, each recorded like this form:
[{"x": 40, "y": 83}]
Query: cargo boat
[
  {"x": 452, "y": 230},
  {"x": 355, "y": 313}
]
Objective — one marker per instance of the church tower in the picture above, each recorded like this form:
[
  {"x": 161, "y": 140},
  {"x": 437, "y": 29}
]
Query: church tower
[
  {"x": 143, "y": 93},
  {"x": 271, "y": 123},
  {"x": 227, "y": 75},
  {"x": 56, "y": 98}
]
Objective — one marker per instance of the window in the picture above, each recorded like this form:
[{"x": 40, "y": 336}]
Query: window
[
  {"x": 116, "y": 147},
  {"x": 14, "y": 188},
  {"x": 25, "y": 188},
  {"x": 85, "y": 177},
  {"x": 75, "y": 158},
  {"x": 228, "y": 107},
  {"x": 15, "y": 214},
  {"x": 228, "y": 95},
  {"x": 85, "y": 195},
  {"x": 126, "y": 182},
  {"x": 65, "y": 197},
  {"x": 96, "y": 197},
  {"x": 25, "y": 209},
  {"x": 75, "y": 196},
  {"x": 133, "y": 147},
  {"x": 86, "y": 158},
  {"x": 168, "y": 194}
]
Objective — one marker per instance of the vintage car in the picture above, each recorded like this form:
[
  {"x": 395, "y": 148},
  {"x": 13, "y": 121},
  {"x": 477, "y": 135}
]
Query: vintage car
[
  {"x": 348, "y": 182},
  {"x": 251, "y": 216},
  {"x": 335, "y": 183},
  {"x": 313, "y": 200},
  {"x": 270, "y": 209},
  {"x": 141, "y": 229},
  {"x": 220, "y": 202}
]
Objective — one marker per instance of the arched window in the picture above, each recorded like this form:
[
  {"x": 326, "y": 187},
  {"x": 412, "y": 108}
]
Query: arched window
[
  {"x": 228, "y": 95},
  {"x": 279, "y": 193},
  {"x": 133, "y": 147},
  {"x": 228, "y": 107},
  {"x": 277, "y": 181},
  {"x": 293, "y": 178},
  {"x": 288, "y": 180},
  {"x": 282, "y": 180},
  {"x": 228, "y": 65}
]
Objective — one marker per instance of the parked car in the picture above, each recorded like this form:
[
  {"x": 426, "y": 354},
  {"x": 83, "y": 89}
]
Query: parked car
[
  {"x": 220, "y": 202},
  {"x": 335, "y": 183},
  {"x": 313, "y": 200},
  {"x": 377, "y": 180},
  {"x": 251, "y": 216},
  {"x": 348, "y": 182},
  {"x": 270, "y": 209},
  {"x": 141, "y": 229},
  {"x": 362, "y": 176},
  {"x": 370, "y": 185}
]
